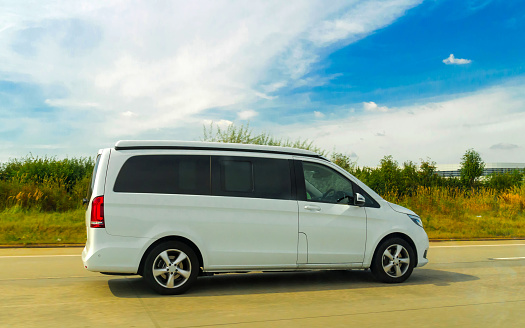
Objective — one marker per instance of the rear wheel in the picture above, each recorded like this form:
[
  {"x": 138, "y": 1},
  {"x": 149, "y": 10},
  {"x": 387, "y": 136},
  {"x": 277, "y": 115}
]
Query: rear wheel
[
  {"x": 171, "y": 268},
  {"x": 393, "y": 261}
]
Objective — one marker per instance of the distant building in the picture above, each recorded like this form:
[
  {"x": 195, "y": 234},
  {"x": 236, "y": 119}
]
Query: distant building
[{"x": 452, "y": 170}]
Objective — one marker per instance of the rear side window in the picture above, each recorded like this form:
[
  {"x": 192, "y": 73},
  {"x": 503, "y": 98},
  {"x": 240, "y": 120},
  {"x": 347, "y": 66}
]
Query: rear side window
[
  {"x": 237, "y": 176},
  {"x": 93, "y": 177},
  {"x": 165, "y": 174},
  {"x": 251, "y": 177}
]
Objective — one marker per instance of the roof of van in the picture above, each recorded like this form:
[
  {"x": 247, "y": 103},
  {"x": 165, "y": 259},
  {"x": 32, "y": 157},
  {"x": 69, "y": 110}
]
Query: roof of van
[{"x": 198, "y": 145}]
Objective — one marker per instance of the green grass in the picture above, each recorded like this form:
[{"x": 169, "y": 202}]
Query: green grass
[
  {"x": 40, "y": 197},
  {"x": 472, "y": 214},
  {"x": 474, "y": 227},
  {"x": 18, "y": 227}
]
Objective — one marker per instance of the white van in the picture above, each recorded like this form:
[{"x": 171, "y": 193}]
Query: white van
[{"x": 173, "y": 210}]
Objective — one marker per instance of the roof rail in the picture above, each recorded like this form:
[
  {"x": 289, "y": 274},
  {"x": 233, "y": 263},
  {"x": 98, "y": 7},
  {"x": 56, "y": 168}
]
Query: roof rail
[{"x": 217, "y": 146}]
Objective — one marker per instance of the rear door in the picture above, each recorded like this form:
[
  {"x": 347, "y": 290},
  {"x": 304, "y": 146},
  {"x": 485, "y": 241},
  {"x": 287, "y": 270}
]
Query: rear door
[{"x": 256, "y": 216}]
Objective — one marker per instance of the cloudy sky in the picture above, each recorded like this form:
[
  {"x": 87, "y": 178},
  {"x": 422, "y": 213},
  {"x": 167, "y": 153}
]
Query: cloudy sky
[{"x": 408, "y": 78}]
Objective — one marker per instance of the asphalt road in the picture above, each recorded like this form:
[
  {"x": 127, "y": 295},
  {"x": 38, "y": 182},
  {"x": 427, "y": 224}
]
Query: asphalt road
[{"x": 466, "y": 284}]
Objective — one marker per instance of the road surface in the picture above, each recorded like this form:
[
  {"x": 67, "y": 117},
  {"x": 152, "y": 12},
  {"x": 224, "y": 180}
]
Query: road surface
[{"x": 465, "y": 284}]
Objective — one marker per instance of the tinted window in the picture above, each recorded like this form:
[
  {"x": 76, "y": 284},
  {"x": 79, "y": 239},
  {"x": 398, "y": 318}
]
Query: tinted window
[
  {"x": 165, "y": 174},
  {"x": 237, "y": 176},
  {"x": 252, "y": 177},
  {"x": 93, "y": 177}
]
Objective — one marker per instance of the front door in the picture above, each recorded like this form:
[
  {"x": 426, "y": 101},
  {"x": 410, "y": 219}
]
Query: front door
[{"x": 335, "y": 229}]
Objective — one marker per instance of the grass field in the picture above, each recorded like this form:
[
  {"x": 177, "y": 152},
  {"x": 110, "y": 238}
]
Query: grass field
[
  {"x": 446, "y": 214},
  {"x": 449, "y": 213},
  {"x": 40, "y": 197},
  {"x": 30, "y": 227}
]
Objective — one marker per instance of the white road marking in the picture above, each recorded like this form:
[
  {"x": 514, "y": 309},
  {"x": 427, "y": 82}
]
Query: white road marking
[
  {"x": 495, "y": 245},
  {"x": 24, "y": 256},
  {"x": 508, "y": 258},
  {"x": 51, "y": 278}
]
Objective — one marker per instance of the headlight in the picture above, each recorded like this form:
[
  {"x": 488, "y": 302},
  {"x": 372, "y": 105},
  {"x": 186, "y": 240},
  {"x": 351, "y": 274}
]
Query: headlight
[{"x": 416, "y": 219}]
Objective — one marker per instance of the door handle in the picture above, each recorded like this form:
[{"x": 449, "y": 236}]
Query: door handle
[{"x": 312, "y": 208}]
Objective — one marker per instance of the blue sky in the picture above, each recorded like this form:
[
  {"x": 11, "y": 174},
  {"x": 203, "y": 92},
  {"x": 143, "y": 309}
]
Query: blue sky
[
  {"x": 408, "y": 78},
  {"x": 403, "y": 62}
]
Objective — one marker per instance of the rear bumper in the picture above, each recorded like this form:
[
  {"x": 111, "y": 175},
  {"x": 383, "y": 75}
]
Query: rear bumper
[{"x": 107, "y": 253}]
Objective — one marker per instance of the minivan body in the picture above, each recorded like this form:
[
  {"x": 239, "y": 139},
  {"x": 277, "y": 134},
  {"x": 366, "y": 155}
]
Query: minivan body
[{"x": 173, "y": 210}]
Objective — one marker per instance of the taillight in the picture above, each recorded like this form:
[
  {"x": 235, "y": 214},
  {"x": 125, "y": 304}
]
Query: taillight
[{"x": 97, "y": 213}]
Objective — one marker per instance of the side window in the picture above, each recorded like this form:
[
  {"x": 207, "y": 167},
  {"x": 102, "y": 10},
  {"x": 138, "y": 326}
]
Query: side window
[
  {"x": 251, "y": 177},
  {"x": 165, "y": 174},
  {"x": 323, "y": 184},
  {"x": 237, "y": 176},
  {"x": 93, "y": 177}
]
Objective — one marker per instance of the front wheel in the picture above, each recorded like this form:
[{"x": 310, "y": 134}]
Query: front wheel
[
  {"x": 171, "y": 268},
  {"x": 393, "y": 261}
]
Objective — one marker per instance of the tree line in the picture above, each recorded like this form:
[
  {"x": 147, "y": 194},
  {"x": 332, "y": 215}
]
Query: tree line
[
  {"x": 389, "y": 176},
  {"x": 405, "y": 179},
  {"x": 50, "y": 184}
]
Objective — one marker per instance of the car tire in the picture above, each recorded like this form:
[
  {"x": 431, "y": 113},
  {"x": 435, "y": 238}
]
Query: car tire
[
  {"x": 171, "y": 268},
  {"x": 393, "y": 261}
]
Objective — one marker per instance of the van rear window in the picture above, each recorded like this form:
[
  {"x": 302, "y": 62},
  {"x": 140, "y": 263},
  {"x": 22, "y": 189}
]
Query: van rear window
[{"x": 165, "y": 174}]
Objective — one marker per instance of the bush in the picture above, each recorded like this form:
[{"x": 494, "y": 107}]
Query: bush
[
  {"x": 48, "y": 184},
  {"x": 44, "y": 184},
  {"x": 504, "y": 181}
]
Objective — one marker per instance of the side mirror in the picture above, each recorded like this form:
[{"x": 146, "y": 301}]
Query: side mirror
[
  {"x": 85, "y": 201},
  {"x": 359, "y": 200}
]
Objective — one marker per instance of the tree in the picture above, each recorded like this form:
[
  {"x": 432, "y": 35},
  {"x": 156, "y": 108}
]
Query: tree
[
  {"x": 343, "y": 161},
  {"x": 472, "y": 167},
  {"x": 427, "y": 173},
  {"x": 387, "y": 177},
  {"x": 243, "y": 134},
  {"x": 409, "y": 178}
]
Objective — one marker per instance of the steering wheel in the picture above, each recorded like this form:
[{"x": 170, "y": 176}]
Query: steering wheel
[
  {"x": 326, "y": 194},
  {"x": 340, "y": 195}
]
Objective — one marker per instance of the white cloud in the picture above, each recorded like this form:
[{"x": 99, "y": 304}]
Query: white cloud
[
  {"x": 264, "y": 96},
  {"x": 247, "y": 114},
  {"x": 223, "y": 124},
  {"x": 128, "y": 114},
  {"x": 373, "y": 107},
  {"x": 451, "y": 60},
  {"x": 359, "y": 22},
  {"x": 442, "y": 130},
  {"x": 47, "y": 147},
  {"x": 168, "y": 63},
  {"x": 5, "y": 28},
  {"x": 70, "y": 103},
  {"x": 318, "y": 114},
  {"x": 504, "y": 146},
  {"x": 272, "y": 87}
]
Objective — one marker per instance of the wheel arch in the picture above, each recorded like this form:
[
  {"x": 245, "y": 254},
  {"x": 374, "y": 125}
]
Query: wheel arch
[
  {"x": 170, "y": 238},
  {"x": 398, "y": 235}
]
